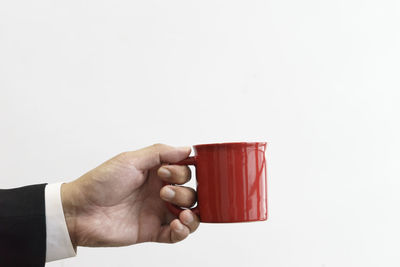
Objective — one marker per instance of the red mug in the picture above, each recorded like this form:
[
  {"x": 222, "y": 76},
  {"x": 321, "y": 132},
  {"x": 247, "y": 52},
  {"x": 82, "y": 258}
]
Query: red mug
[{"x": 231, "y": 182}]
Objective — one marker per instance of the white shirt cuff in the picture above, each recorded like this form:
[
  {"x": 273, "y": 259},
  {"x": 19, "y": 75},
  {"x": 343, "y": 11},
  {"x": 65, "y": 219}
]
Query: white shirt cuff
[{"x": 58, "y": 241}]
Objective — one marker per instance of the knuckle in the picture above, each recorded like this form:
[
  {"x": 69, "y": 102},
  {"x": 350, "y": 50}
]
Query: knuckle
[
  {"x": 185, "y": 191},
  {"x": 187, "y": 172},
  {"x": 191, "y": 196},
  {"x": 191, "y": 192},
  {"x": 185, "y": 196},
  {"x": 183, "y": 178}
]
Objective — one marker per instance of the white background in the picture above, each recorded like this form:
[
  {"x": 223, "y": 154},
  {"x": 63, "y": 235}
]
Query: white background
[{"x": 83, "y": 80}]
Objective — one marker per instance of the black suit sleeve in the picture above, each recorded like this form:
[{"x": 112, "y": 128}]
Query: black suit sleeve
[{"x": 22, "y": 226}]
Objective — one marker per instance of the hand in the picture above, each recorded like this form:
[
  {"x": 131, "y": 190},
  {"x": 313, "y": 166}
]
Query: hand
[{"x": 118, "y": 203}]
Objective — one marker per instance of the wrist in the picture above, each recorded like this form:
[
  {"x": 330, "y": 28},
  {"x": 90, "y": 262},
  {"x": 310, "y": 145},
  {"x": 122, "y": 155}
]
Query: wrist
[{"x": 70, "y": 209}]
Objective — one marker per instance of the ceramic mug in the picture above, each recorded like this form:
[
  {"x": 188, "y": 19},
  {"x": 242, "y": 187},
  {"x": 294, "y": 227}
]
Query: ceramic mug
[{"x": 231, "y": 182}]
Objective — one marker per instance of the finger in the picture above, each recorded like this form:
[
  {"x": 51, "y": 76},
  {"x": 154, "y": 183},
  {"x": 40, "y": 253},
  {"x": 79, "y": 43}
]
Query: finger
[
  {"x": 178, "y": 231},
  {"x": 172, "y": 233},
  {"x": 179, "y": 195},
  {"x": 156, "y": 154},
  {"x": 188, "y": 218},
  {"x": 174, "y": 174}
]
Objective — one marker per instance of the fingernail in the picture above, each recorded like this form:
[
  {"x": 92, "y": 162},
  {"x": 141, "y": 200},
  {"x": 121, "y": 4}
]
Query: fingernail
[
  {"x": 168, "y": 193},
  {"x": 164, "y": 172}
]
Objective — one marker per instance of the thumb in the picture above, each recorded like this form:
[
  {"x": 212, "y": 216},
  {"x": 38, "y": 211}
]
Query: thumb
[{"x": 152, "y": 156}]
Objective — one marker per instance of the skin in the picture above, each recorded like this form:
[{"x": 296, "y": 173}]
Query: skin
[{"x": 122, "y": 201}]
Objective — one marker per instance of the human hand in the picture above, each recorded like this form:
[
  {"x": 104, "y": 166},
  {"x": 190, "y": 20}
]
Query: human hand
[{"x": 118, "y": 203}]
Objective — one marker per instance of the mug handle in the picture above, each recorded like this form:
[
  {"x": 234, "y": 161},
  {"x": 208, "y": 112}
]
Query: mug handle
[{"x": 173, "y": 208}]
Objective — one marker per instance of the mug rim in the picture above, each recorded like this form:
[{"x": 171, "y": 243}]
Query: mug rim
[{"x": 230, "y": 144}]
